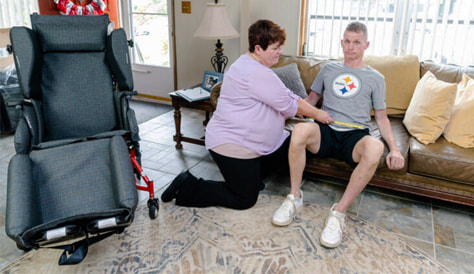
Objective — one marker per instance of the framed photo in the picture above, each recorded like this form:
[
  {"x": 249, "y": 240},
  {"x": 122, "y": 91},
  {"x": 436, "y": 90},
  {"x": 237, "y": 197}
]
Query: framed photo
[{"x": 210, "y": 79}]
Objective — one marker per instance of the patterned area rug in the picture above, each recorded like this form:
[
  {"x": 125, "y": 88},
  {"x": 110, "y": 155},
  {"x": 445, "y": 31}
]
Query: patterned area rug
[{"x": 219, "y": 240}]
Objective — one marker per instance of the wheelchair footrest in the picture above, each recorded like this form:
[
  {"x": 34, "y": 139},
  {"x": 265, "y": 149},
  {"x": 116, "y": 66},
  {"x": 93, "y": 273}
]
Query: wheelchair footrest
[
  {"x": 59, "y": 234},
  {"x": 108, "y": 224}
]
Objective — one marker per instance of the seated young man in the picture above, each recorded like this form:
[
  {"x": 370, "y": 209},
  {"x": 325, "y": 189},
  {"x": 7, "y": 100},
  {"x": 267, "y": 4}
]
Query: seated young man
[{"x": 351, "y": 89}]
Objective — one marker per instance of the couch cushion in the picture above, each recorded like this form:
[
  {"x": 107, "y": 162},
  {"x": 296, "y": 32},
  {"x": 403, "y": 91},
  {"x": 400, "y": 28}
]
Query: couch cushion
[
  {"x": 460, "y": 128},
  {"x": 430, "y": 108},
  {"x": 290, "y": 76},
  {"x": 442, "y": 160},
  {"x": 401, "y": 136},
  {"x": 309, "y": 67},
  {"x": 449, "y": 73},
  {"x": 401, "y": 76}
]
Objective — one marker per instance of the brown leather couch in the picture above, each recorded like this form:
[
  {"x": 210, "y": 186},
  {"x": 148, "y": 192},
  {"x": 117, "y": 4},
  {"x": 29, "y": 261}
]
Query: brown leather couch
[{"x": 441, "y": 170}]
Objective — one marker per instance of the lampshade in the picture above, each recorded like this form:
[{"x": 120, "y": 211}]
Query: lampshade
[{"x": 215, "y": 24}]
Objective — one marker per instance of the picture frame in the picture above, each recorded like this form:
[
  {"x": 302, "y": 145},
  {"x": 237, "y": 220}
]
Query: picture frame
[{"x": 211, "y": 78}]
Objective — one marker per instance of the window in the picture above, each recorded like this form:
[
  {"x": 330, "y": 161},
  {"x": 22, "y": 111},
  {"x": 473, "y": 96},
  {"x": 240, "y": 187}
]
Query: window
[
  {"x": 149, "y": 21},
  {"x": 16, "y": 12},
  {"x": 439, "y": 30}
]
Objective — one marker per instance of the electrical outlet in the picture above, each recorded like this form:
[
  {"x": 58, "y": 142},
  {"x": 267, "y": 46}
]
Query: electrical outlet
[{"x": 185, "y": 6}]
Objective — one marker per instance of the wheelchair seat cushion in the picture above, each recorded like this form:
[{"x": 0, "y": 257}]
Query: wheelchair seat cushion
[{"x": 80, "y": 180}]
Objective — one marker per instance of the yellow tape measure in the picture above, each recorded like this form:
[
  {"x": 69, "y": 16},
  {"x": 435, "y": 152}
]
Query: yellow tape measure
[
  {"x": 343, "y": 124},
  {"x": 348, "y": 124}
]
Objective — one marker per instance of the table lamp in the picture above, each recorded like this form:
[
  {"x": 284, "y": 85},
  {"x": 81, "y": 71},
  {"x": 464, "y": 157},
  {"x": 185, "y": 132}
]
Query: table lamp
[{"x": 216, "y": 25}]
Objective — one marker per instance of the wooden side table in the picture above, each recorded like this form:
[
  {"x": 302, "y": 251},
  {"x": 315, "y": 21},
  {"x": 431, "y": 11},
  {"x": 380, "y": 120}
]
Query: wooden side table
[{"x": 179, "y": 102}]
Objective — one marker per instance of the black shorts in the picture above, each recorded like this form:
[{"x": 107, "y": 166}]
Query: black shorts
[{"x": 338, "y": 144}]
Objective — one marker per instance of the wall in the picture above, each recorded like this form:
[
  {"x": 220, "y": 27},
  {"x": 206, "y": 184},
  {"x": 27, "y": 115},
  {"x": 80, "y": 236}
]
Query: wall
[
  {"x": 285, "y": 13},
  {"x": 193, "y": 55}
]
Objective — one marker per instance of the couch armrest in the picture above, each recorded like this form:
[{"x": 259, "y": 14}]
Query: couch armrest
[{"x": 215, "y": 92}]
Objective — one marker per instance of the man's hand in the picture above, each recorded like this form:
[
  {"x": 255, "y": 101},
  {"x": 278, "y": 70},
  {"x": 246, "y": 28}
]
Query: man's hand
[{"x": 395, "y": 160}]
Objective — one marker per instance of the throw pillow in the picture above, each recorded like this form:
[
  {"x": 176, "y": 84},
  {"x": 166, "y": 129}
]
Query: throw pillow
[
  {"x": 446, "y": 72},
  {"x": 430, "y": 108},
  {"x": 290, "y": 76},
  {"x": 460, "y": 128},
  {"x": 401, "y": 73}
]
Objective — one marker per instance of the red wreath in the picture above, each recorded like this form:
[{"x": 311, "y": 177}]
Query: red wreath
[{"x": 67, "y": 7}]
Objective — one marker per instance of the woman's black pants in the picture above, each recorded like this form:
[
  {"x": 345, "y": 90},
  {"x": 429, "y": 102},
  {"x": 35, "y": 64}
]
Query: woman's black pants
[{"x": 243, "y": 181}]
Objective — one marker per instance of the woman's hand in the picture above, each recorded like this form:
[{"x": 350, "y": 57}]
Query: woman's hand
[
  {"x": 305, "y": 109},
  {"x": 323, "y": 117}
]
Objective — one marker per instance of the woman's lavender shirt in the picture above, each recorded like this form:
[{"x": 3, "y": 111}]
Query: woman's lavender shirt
[{"x": 253, "y": 104}]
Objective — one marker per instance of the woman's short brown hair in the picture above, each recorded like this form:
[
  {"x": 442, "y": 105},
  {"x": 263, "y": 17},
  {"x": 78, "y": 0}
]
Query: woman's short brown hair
[{"x": 264, "y": 33}]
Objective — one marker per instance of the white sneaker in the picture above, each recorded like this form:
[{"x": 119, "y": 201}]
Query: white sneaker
[
  {"x": 331, "y": 236},
  {"x": 287, "y": 211}
]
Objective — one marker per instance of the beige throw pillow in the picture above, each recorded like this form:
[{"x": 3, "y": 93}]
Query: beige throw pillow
[
  {"x": 460, "y": 128},
  {"x": 430, "y": 108}
]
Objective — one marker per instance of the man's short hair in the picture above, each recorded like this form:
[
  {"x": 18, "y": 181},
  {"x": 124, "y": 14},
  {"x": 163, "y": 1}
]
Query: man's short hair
[{"x": 357, "y": 27}]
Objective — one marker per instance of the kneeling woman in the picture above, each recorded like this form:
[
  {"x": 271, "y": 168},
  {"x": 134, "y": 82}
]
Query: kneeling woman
[{"x": 246, "y": 135}]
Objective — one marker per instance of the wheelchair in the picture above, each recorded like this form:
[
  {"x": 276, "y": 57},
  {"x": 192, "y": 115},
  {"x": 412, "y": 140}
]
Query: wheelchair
[{"x": 74, "y": 178}]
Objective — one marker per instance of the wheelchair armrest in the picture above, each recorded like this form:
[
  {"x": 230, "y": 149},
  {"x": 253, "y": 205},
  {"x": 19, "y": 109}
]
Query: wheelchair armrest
[
  {"x": 131, "y": 93},
  {"x": 22, "y": 205},
  {"x": 27, "y": 133},
  {"x": 22, "y": 139},
  {"x": 122, "y": 171},
  {"x": 127, "y": 117},
  {"x": 17, "y": 103}
]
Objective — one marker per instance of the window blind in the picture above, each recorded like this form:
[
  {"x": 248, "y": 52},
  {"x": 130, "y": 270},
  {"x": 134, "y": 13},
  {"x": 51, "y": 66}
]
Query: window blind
[
  {"x": 17, "y": 12},
  {"x": 439, "y": 30}
]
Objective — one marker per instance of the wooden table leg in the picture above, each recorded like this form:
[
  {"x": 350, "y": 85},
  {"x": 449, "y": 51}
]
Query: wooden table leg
[
  {"x": 207, "y": 118},
  {"x": 177, "y": 122}
]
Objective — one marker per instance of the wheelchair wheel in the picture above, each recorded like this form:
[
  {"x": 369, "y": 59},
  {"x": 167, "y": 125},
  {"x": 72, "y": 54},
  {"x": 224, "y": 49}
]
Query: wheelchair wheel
[{"x": 153, "y": 208}]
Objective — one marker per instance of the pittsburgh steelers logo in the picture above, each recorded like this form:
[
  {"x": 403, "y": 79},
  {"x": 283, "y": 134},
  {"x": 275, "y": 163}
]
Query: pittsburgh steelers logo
[{"x": 346, "y": 85}]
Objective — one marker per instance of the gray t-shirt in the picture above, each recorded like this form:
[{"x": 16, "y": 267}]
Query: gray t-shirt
[{"x": 350, "y": 93}]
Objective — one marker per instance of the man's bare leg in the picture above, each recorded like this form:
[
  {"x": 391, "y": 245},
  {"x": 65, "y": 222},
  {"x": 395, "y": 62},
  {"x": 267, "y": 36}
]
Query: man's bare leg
[
  {"x": 304, "y": 136},
  {"x": 367, "y": 153}
]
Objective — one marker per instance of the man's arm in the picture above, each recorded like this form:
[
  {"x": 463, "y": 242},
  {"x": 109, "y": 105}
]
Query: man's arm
[
  {"x": 394, "y": 158},
  {"x": 313, "y": 98}
]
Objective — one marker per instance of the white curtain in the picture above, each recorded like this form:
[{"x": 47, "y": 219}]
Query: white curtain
[
  {"x": 439, "y": 30},
  {"x": 16, "y": 12}
]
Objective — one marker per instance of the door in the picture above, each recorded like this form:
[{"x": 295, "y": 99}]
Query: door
[{"x": 149, "y": 24}]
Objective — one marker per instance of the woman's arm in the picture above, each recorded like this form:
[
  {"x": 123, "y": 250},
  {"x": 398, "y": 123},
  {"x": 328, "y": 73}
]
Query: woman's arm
[{"x": 306, "y": 109}]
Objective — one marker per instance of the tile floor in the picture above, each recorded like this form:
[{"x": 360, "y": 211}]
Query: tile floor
[{"x": 442, "y": 230}]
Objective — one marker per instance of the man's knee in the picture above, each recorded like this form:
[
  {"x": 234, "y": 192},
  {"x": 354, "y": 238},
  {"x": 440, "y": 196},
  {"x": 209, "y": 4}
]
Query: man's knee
[
  {"x": 374, "y": 150},
  {"x": 371, "y": 150},
  {"x": 377, "y": 147},
  {"x": 303, "y": 133}
]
